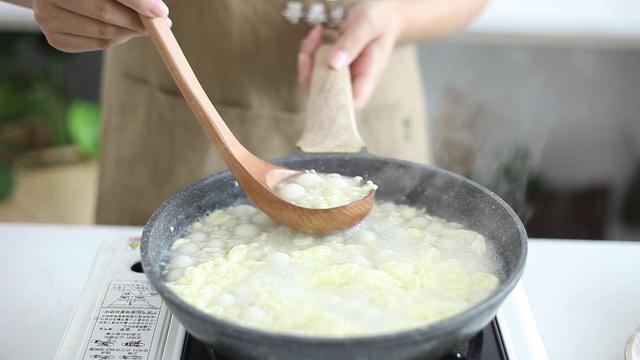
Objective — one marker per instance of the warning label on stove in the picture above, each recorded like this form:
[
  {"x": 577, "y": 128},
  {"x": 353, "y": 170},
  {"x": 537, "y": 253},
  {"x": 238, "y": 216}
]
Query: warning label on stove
[{"x": 125, "y": 324}]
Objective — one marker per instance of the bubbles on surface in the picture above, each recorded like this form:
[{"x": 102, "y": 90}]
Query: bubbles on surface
[
  {"x": 322, "y": 191},
  {"x": 180, "y": 261},
  {"x": 399, "y": 268}
]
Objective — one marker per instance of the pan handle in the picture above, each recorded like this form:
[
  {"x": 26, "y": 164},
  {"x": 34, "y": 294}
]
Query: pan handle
[{"x": 330, "y": 119}]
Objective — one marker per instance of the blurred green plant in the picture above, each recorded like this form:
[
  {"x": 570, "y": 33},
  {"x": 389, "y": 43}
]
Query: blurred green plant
[
  {"x": 35, "y": 110},
  {"x": 83, "y": 121},
  {"x": 29, "y": 98}
]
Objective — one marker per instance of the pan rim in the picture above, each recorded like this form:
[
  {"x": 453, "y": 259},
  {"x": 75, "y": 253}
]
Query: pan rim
[{"x": 406, "y": 335}]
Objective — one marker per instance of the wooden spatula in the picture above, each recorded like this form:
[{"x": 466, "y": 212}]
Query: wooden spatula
[{"x": 257, "y": 177}]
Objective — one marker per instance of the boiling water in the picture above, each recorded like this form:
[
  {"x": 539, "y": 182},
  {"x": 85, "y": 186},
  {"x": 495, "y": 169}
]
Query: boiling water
[{"x": 400, "y": 268}]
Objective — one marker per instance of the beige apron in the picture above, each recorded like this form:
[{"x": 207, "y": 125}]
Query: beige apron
[{"x": 244, "y": 54}]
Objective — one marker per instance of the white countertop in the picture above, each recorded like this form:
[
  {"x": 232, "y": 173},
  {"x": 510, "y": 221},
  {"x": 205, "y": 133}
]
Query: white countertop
[
  {"x": 567, "y": 22},
  {"x": 585, "y": 295}
]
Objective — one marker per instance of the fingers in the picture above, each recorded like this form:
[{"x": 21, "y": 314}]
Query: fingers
[
  {"x": 308, "y": 47},
  {"x": 151, "y": 8},
  {"x": 367, "y": 68},
  {"x": 74, "y": 43},
  {"x": 367, "y": 38},
  {"x": 80, "y": 25},
  {"x": 305, "y": 64},
  {"x": 358, "y": 30},
  {"x": 108, "y": 11},
  {"x": 71, "y": 24},
  {"x": 362, "y": 81},
  {"x": 310, "y": 43}
]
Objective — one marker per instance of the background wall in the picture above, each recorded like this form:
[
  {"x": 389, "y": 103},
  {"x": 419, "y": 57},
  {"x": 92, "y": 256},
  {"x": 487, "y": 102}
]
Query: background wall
[
  {"x": 576, "y": 109},
  {"x": 567, "y": 111}
]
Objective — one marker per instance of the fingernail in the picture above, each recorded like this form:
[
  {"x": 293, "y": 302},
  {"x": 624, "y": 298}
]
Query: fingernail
[
  {"x": 340, "y": 60},
  {"x": 158, "y": 8},
  {"x": 169, "y": 22}
]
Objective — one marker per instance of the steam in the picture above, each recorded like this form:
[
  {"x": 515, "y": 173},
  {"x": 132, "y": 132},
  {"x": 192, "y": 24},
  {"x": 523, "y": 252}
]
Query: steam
[{"x": 486, "y": 146}]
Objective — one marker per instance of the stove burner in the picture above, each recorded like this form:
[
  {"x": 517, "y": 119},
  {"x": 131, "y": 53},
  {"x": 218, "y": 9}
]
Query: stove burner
[{"x": 486, "y": 345}]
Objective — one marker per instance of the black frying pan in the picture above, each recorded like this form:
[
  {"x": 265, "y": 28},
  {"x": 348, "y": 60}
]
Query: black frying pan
[{"x": 440, "y": 192}]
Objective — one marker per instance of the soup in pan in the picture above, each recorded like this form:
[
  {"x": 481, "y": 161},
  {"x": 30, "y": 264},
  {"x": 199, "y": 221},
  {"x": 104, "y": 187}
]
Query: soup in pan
[{"x": 400, "y": 268}]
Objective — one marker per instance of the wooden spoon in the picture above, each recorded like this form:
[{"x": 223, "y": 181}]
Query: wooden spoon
[{"x": 257, "y": 177}]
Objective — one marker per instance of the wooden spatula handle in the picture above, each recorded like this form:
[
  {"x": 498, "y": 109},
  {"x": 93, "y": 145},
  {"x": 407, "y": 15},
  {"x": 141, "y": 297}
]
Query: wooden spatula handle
[
  {"x": 190, "y": 87},
  {"x": 331, "y": 122}
]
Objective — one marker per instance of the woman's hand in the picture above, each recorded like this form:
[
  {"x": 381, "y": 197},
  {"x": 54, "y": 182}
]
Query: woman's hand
[
  {"x": 85, "y": 25},
  {"x": 367, "y": 38},
  {"x": 371, "y": 30}
]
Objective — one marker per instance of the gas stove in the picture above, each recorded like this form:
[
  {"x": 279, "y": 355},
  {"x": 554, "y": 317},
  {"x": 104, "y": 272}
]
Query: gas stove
[
  {"x": 121, "y": 317},
  {"x": 487, "y": 344}
]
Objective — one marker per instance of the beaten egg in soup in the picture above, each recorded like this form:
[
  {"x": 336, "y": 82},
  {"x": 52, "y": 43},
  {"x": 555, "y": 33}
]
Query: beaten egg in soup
[{"x": 399, "y": 269}]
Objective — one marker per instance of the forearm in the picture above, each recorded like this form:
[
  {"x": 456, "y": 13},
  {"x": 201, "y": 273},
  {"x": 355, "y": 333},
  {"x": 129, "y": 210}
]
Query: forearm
[
  {"x": 428, "y": 19},
  {"x": 25, "y": 3}
]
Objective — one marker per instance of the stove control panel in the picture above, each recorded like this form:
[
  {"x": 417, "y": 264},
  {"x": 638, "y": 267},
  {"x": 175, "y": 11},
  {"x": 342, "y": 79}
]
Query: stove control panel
[{"x": 120, "y": 316}]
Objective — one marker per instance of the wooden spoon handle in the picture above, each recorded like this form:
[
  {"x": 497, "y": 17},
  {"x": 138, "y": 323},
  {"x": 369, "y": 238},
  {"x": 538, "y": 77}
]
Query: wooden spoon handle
[
  {"x": 331, "y": 122},
  {"x": 228, "y": 146}
]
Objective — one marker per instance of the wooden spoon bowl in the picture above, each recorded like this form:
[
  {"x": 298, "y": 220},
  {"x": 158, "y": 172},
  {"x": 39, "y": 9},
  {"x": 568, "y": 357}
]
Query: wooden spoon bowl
[{"x": 257, "y": 177}]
